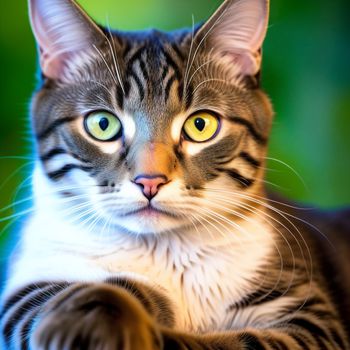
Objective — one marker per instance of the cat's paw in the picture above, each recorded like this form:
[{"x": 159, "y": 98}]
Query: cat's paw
[{"x": 99, "y": 317}]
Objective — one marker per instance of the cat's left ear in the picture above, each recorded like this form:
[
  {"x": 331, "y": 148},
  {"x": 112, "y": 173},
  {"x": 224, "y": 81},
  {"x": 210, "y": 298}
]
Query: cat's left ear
[
  {"x": 64, "y": 32},
  {"x": 237, "y": 31}
]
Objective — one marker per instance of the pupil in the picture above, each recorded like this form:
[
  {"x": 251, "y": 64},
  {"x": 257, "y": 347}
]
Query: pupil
[
  {"x": 200, "y": 124},
  {"x": 104, "y": 123}
]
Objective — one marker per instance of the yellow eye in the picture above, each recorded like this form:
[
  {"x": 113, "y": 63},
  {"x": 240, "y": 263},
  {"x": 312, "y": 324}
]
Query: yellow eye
[
  {"x": 103, "y": 126},
  {"x": 201, "y": 127}
]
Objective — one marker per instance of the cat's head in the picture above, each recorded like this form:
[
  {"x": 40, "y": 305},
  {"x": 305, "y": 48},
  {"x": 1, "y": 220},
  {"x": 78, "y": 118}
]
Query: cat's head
[{"x": 151, "y": 131}]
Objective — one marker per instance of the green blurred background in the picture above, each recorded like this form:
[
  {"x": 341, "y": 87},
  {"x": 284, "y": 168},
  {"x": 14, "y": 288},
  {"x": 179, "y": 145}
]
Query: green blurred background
[{"x": 306, "y": 73}]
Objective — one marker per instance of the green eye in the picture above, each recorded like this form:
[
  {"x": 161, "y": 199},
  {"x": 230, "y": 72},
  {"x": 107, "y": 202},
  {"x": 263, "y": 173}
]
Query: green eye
[
  {"x": 103, "y": 126},
  {"x": 201, "y": 127}
]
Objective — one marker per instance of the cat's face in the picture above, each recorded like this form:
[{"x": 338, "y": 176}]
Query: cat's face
[{"x": 151, "y": 132}]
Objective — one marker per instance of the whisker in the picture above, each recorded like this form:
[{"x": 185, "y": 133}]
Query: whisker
[
  {"x": 115, "y": 60},
  {"x": 290, "y": 168},
  {"x": 285, "y": 217},
  {"x": 244, "y": 217},
  {"x": 200, "y": 43},
  {"x": 107, "y": 66}
]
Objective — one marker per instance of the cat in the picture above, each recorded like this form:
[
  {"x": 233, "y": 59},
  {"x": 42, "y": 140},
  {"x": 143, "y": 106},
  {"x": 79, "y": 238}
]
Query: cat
[{"x": 152, "y": 228}]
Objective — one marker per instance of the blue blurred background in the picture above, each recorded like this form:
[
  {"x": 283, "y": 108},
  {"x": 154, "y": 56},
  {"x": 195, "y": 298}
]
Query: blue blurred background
[{"x": 306, "y": 73}]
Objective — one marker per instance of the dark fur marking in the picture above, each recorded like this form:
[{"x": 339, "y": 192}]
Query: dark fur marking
[
  {"x": 26, "y": 330},
  {"x": 180, "y": 91},
  {"x": 168, "y": 87},
  {"x": 39, "y": 298},
  {"x": 135, "y": 57},
  {"x": 57, "y": 151},
  {"x": 144, "y": 70},
  {"x": 47, "y": 132},
  {"x": 256, "y": 298},
  {"x": 249, "y": 126},
  {"x": 120, "y": 97},
  {"x": 53, "y": 153},
  {"x": 235, "y": 175},
  {"x": 139, "y": 85},
  {"x": 58, "y": 174},
  {"x": 21, "y": 294},
  {"x": 337, "y": 338},
  {"x": 303, "y": 343},
  {"x": 251, "y": 342},
  {"x": 316, "y": 331},
  {"x": 165, "y": 72},
  {"x": 172, "y": 64},
  {"x": 187, "y": 95},
  {"x": 248, "y": 158},
  {"x": 177, "y": 50},
  {"x": 126, "y": 50},
  {"x": 279, "y": 345}
]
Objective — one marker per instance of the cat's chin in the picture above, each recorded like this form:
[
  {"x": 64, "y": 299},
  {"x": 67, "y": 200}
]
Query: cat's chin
[{"x": 150, "y": 221}]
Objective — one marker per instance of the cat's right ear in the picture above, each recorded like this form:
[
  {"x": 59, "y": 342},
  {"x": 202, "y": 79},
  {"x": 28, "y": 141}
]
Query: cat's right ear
[
  {"x": 236, "y": 31},
  {"x": 64, "y": 32}
]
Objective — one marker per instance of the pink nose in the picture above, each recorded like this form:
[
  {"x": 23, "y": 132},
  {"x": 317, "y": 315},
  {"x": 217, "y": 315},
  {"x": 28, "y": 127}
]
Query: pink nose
[{"x": 150, "y": 184}]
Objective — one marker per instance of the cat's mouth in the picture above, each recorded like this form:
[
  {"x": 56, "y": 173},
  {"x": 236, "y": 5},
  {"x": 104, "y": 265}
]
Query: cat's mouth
[{"x": 149, "y": 211}]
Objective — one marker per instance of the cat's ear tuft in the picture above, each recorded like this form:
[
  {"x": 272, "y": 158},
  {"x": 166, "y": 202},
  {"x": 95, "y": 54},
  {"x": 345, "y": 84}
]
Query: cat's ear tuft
[
  {"x": 63, "y": 31},
  {"x": 237, "y": 30}
]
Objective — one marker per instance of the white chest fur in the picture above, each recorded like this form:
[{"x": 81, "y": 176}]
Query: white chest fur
[
  {"x": 203, "y": 272},
  {"x": 202, "y": 280}
]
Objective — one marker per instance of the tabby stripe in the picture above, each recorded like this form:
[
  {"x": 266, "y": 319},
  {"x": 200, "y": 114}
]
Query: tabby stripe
[
  {"x": 135, "y": 57},
  {"x": 303, "y": 343},
  {"x": 168, "y": 87},
  {"x": 337, "y": 338},
  {"x": 223, "y": 160},
  {"x": 20, "y": 295},
  {"x": 256, "y": 298},
  {"x": 248, "y": 158},
  {"x": 177, "y": 50},
  {"x": 58, "y": 174},
  {"x": 280, "y": 345},
  {"x": 170, "y": 62},
  {"x": 39, "y": 297},
  {"x": 144, "y": 70},
  {"x": 53, "y": 153},
  {"x": 165, "y": 72},
  {"x": 249, "y": 126},
  {"x": 120, "y": 97},
  {"x": 26, "y": 328},
  {"x": 58, "y": 151},
  {"x": 126, "y": 50},
  {"x": 317, "y": 332},
  {"x": 235, "y": 175},
  {"x": 139, "y": 85},
  {"x": 251, "y": 342},
  {"x": 187, "y": 95},
  {"x": 47, "y": 132}
]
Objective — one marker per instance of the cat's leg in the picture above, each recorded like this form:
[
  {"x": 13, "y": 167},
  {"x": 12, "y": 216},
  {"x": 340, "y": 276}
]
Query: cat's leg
[{"x": 116, "y": 314}]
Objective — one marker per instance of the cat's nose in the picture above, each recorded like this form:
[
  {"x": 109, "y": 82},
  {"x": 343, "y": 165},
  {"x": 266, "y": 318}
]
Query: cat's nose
[{"x": 150, "y": 184}]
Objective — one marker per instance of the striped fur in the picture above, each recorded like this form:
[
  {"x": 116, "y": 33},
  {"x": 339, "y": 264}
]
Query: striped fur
[{"x": 210, "y": 261}]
